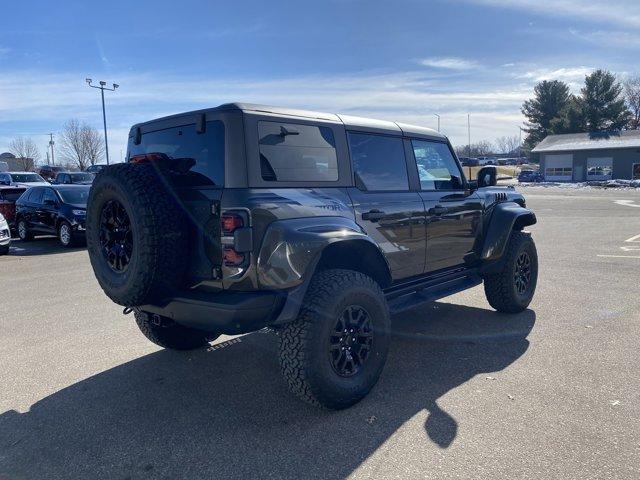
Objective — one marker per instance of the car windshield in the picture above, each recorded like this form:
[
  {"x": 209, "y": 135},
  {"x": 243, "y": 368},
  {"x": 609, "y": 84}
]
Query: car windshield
[
  {"x": 26, "y": 177},
  {"x": 74, "y": 195},
  {"x": 81, "y": 177}
]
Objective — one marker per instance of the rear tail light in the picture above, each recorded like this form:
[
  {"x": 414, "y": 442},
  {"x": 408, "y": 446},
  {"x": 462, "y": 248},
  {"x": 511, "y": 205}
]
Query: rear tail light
[
  {"x": 148, "y": 157},
  {"x": 232, "y": 258},
  {"x": 230, "y": 222}
]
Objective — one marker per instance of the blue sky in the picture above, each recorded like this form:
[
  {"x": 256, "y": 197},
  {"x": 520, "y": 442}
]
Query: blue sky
[{"x": 396, "y": 60}]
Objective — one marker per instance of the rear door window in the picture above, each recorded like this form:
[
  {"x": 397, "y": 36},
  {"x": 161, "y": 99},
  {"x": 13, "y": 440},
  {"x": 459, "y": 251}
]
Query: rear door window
[
  {"x": 49, "y": 195},
  {"x": 378, "y": 162},
  {"x": 297, "y": 153},
  {"x": 196, "y": 159},
  {"x": 35, "y": 196}
]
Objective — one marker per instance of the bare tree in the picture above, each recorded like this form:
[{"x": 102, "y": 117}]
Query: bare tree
[
  {"x": 632, "y": 97},
  {"x": 508, "y": 144},
  {"x": 25, "y": 151},
  {"x": 94, "y": 144},
  {"x": 80, "y": 144},
  {"x": 480, "y": 149}
]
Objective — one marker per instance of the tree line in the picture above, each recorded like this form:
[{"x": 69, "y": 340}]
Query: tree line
[
  {"x": 604, "y": 104},
  {"x": 79, "y": 145}
]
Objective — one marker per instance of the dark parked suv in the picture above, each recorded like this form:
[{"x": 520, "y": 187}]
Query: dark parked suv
[
  {"x": 55, "y": 210},
  {"x": 240, "y": 217}
]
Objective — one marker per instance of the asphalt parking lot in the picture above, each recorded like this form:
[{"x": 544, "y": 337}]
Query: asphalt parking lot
[{"x": 553, "y": 392}]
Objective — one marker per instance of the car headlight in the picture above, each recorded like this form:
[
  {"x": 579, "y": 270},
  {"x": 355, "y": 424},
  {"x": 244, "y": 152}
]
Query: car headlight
[{"x": 79, "y": 213}]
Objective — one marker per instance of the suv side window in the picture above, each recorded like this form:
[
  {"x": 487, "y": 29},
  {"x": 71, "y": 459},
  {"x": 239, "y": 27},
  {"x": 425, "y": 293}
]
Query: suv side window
[
  {"x": 378, "y": 162},
  {"x": 49, "y": 195},
  {"x": 36, "y": 195},
  {"x": 437, "y": 168},
  {"x": 295, "y": 153}
]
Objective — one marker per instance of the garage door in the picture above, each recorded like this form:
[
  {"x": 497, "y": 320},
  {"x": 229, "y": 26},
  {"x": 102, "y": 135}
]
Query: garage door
[
  {"x": 599, "y": 168},
  {"x": 558, "y": 167}
]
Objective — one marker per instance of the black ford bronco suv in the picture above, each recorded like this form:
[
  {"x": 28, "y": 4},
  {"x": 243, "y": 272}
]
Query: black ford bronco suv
[{"x": 240, "y": 217}]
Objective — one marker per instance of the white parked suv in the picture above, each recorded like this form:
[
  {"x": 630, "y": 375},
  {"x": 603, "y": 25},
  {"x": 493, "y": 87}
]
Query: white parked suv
[{"x": 5, "y": 236}]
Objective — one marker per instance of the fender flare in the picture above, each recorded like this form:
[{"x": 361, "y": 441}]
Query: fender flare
[
  {"x": 506, "y": 217},
  {"x": 291, "y": 250}
]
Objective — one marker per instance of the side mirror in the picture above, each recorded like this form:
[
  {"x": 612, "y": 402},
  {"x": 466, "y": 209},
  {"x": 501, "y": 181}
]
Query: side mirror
[{"x": 487, "y": 177}]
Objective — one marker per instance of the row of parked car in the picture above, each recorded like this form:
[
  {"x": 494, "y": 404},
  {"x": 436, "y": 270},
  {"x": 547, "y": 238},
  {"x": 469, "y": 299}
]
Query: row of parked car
[{"x": 31, "y": 206}]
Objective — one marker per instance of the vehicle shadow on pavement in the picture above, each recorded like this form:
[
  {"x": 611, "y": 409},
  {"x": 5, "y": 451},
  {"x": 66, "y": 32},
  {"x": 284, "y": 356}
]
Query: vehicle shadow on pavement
[
  {"x": 226, "y": 412},
  {"x": 40, "y": 246}
]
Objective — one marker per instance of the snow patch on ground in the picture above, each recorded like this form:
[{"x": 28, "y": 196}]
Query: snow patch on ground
[{"x": 616, "y": 184}]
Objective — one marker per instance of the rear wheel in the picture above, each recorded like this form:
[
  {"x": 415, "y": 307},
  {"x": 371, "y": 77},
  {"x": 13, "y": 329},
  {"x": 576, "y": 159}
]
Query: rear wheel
[
  {"x": 511, "y": 290},
  {"x": 23, "y": 231},
  {"x": 334, "y": 353},
  {"x": 168, "y": 334}
]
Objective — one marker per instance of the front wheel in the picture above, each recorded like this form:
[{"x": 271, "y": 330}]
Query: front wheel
[
  {"x": 511, "y": 290},
  {"x": 333, "y": 354},
  {"x": 66, "y": 235}
]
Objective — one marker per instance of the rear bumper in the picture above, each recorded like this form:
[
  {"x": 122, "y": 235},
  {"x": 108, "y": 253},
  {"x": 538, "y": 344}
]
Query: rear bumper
[{"x": 225, "y": 312}]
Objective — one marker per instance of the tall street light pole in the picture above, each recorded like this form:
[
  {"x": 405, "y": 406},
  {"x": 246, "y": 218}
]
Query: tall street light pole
[
  {"x": 102, "y": 88},
  {"x": 51, "y": 144},
  {"x": 438, "y": 120}
]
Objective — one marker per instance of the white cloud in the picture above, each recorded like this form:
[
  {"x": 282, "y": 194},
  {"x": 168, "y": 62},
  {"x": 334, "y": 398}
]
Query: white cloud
[
  {"x": 609, "y": 38},
  {"x": 413, "y": 97},
  {"x": 570, "y": 75},
  {"x": 623, "y": 12},
  {"x": 450, "y": 63}
]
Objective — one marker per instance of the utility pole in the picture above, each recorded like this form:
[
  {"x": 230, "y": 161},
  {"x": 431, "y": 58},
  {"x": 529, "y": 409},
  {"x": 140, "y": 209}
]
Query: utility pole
[
  {"x": 438, "y": 120},
  {"x": 469, "y": 134},
  {"x": 102, "y": 88},
  {"x": 51, "y": 144},
  {"x": 520, "y": 143}
]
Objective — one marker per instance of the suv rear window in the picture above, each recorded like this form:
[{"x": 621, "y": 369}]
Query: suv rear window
[
  {"x": 200, "y": 154},
  {"x": 11, "y": 195},
  {"x": 296, "y": 153}
]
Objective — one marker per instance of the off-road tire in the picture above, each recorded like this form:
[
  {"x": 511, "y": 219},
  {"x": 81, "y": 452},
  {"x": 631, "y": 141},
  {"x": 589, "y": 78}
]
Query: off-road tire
[
  {"x": 27, "y": 236},
  {"x": 500, "y": 288},
  {"x": 304, "y": 357},
  {"x": 158, "y": 228},
  {"x": 171, "y": 335}
]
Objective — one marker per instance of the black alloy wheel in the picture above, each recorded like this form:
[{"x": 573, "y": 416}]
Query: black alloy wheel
[
  {"x": 116, "y": 235},
  {"x": 351, "y": 341},
  {"x": 522, "y": 273}
]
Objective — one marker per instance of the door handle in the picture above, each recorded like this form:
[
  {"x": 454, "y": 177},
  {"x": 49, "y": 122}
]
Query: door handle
[
  {"x": 438, "y": 210},
  {"x": 373, "y": 215}
]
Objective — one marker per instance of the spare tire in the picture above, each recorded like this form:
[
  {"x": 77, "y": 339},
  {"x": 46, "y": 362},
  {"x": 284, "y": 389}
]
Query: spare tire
[{"x": 136, "y": 234}]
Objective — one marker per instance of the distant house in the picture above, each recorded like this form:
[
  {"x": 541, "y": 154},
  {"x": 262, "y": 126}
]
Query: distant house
[
  {"x": 17, "y": 164},
  {"x": 579, "y": 157}
]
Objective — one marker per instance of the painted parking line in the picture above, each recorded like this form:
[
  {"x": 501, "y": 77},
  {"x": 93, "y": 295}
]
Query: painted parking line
[
  {"x": 633, "y": 239},
  {"x": 627, "y": 203},
  {"x": 620, "y": 256}
]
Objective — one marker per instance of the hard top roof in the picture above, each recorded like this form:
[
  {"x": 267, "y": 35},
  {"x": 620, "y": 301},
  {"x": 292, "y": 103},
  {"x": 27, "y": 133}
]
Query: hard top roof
[{"x": 349, "y": 121}]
